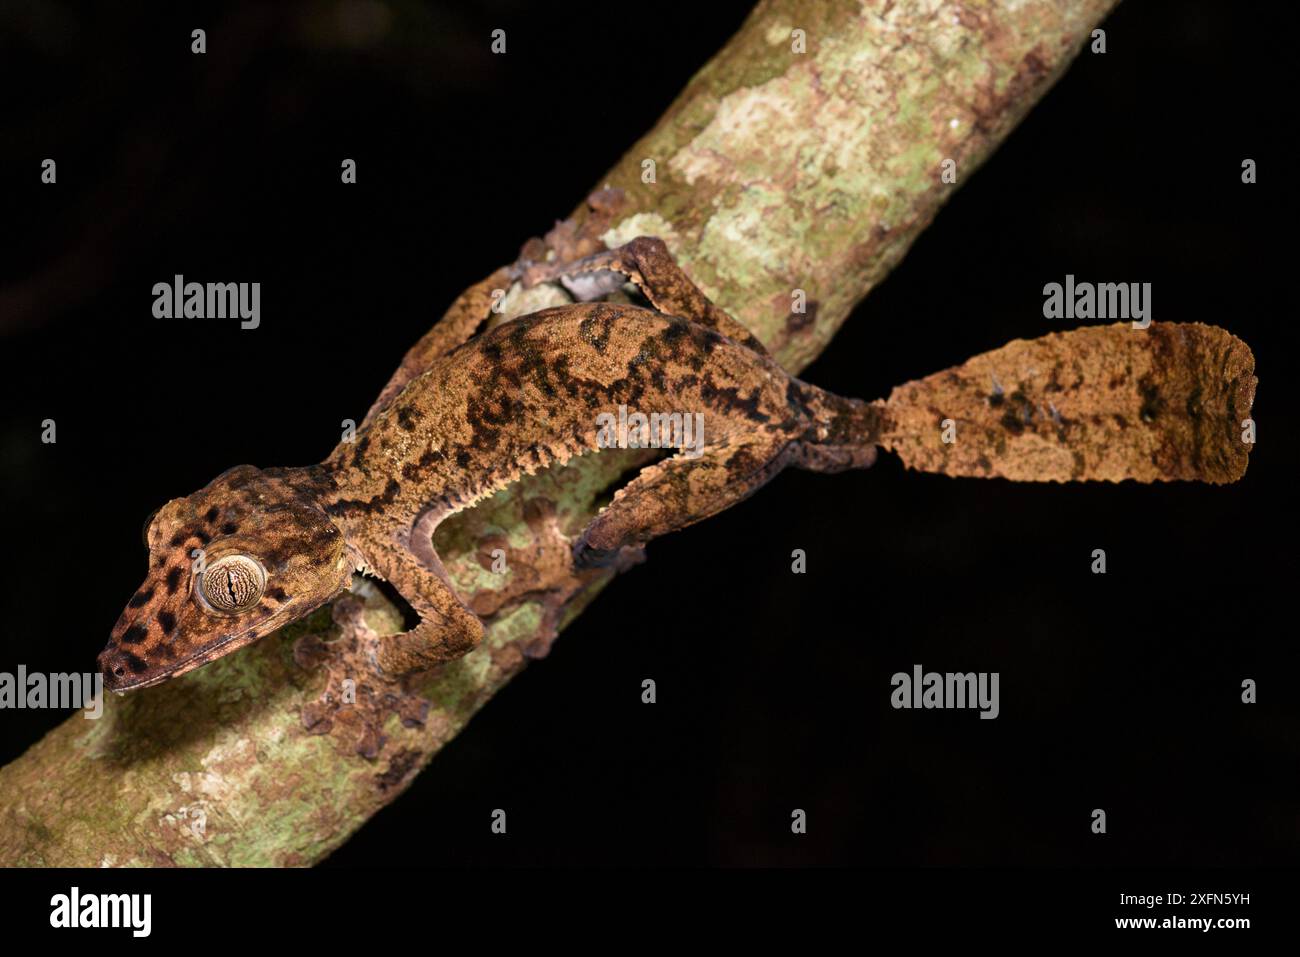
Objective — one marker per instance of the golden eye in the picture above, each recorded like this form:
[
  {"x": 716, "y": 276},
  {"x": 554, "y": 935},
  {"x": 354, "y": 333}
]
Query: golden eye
[{"x": 233, "y": 583}]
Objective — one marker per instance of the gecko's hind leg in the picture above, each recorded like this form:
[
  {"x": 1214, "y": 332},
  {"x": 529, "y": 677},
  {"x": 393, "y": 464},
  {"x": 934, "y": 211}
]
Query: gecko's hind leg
[
  {"x": 680, "y": 491},
  {"x": 646, "y": 262},
  {"x": 447, "y": 629},
  {"x": 457, "y": 326}
]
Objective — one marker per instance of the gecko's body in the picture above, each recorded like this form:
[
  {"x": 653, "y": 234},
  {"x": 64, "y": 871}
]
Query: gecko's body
[{"x": 463, "y": 418}]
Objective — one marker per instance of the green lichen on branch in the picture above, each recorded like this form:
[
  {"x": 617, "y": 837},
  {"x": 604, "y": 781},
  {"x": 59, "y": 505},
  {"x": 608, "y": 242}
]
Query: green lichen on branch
[{"x": 775, "y": 170}]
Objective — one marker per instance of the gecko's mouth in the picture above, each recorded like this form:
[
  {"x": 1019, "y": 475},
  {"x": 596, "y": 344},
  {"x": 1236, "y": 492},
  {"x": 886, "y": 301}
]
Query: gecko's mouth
[
  {"x": 118, "y": 685},
  {"x": 124, "y": 671}
]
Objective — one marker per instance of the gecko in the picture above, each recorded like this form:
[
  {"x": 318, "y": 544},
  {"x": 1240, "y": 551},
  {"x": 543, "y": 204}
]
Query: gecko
[{"x": 466, "y": 414}]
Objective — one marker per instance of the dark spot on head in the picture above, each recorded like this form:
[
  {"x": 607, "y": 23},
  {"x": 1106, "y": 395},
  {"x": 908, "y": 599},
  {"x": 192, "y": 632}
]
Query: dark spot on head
[
  {"x": 463, "y": 459},
  {"x": 136, "y": 664},
  {"x": 996, "y": 399},
  {"x": 179, "y": 538},
  {"x": 276, "y": 556},
  {"x": 140, "y": 598},
  {"x": 405, "y": 420},
  {"x": 276, "y": 593},
  {"x": 359, "y": 453},
  {"x": 134, "y": 635},
  {"x": 1012, "y": 423},
  {"x": 211, "y": 515},
  {"x": 229, "y": 528},
  {"x": 203, "y": 537},
  {"x": 793, "y": 396},
  {"x": 173, "y": 580},
  {"x": 168, "y": 622}
]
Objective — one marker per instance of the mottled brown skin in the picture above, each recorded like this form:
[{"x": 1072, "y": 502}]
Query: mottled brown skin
[
  {"x": 274, "y": 515},
  {"x": 1105, "y": 403},
  {"x": 463, "y": 418}
]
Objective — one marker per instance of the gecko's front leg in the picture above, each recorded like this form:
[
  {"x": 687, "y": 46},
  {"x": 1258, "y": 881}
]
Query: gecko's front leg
[
  {"x": 447, "y": 629},
  {"x": 648, "y": 265}
]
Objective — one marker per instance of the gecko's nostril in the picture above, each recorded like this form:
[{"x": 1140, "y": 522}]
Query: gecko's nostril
[{"x": 113, "y": 663}]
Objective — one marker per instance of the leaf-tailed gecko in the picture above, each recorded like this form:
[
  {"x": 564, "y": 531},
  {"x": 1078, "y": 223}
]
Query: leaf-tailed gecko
[{"x": 463, "y": 417}]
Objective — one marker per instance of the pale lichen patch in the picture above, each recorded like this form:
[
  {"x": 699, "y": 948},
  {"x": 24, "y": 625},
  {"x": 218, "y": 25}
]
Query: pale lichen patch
[{"x": 641, "y": 224}]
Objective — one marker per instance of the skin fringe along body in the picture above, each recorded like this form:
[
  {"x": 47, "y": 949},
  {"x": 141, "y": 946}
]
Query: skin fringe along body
[{"x": 466, "y": 415}]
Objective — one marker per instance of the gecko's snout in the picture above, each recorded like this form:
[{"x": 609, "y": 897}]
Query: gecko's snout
[{"x": 118, "y": 667}]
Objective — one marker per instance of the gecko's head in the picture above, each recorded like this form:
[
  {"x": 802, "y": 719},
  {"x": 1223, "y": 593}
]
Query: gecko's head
[{"x": 236, "y": 560}]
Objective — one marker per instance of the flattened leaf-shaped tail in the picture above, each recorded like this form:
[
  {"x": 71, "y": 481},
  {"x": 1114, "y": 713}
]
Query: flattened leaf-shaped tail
[{"x": 1103, "y": 403}]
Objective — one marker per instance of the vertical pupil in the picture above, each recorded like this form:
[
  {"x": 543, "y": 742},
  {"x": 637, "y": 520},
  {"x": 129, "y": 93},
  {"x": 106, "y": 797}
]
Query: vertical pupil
[{"x": 232, "y": 583}]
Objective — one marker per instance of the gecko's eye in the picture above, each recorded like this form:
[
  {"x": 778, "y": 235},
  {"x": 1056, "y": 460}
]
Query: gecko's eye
[{"x": 233, "y": 583}]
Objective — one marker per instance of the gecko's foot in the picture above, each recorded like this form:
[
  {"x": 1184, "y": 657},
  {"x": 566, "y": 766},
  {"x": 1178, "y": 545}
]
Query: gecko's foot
[
  {"x": 586, "y": 557},
  {"x": 357, "y": 701},
  {"x": 369, "y": 646},
  {"x": 387, "y": 661},
  {"x": 588, "y": 287}
]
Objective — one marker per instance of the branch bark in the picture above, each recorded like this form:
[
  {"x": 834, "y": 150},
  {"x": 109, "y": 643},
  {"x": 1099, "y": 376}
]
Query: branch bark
[{"x": 774, "y": 170}]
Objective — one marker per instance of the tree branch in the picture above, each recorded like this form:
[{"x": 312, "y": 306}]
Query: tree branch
[{"x": 774, "y": 170}]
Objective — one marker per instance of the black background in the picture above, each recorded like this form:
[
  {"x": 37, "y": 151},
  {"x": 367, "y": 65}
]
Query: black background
[{"x": 1119, "y": 691}]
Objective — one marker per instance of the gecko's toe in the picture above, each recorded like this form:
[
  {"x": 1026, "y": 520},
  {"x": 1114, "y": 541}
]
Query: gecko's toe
[{"x": 586, "y": 556}]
